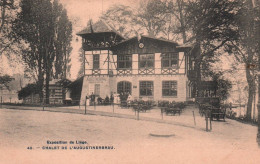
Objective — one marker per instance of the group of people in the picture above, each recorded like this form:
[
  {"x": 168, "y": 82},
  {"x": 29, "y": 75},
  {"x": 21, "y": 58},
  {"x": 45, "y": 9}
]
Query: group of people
[{"x": 114, "y": 98}]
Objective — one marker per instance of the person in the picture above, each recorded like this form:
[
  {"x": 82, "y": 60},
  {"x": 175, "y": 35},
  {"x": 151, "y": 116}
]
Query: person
[
  {"x": 111, "y": 98},
  {"x": 87, "y": 100},
  {"x": 106, "y": 101},
  {"x": 116, "y": 98},
  {"x": 99, "y": 100},
  {"x": 129, "y": 98},
  {"x": 92, "y": 98}
]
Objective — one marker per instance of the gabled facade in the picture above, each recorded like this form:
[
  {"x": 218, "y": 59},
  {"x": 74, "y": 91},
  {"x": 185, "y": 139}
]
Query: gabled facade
[{"x": 145, "y": 67}]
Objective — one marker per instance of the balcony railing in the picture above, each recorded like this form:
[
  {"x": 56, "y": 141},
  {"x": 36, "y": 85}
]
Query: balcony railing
[
  {"x": 127, "y": 71},
  {"x": 145, "y": 71}
]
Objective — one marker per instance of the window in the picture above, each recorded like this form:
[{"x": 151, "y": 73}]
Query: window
[
  {"x": 96, "y": 61},
  {"x": 170, "y": 59},
  {"x": 169, "y": 88},
  {"x": 146, "y": 61},
  {"x": 97, "y": 89},
  {"x": 52, "y": 92},
  {"x": 146, "y": 88},
  {"x": 124, "y": 87},
  {"x": 124, "y": 61}
]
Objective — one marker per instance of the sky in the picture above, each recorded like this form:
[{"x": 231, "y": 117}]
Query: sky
[{"x": 79, "y": 12}]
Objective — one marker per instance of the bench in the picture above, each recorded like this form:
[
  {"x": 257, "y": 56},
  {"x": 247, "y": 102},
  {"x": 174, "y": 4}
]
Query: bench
[
  {"x": 218, "y": 113},
  {"x": 170, "y": 110}
]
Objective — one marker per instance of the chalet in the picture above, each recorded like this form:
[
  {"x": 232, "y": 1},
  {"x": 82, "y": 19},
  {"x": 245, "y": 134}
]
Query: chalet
[{"x": 145, "y": 67}]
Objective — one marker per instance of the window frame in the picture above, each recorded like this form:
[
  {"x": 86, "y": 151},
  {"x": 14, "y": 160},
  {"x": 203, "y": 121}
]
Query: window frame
[
  {"x": 170, "y": 59},
  {"x": 145, "y": 67},
  {"x": 96, "y": 63},
  {"x": 169, "y": 88},
  {"x": 125, "y": 61},
  {"x": 124, "y": 86},
  {"x": 146, "y": 87}
]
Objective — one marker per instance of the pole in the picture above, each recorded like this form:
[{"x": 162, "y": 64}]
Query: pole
[
  {"x": 86, "y": 106},
  {"x": 206, "y": 123},
  {"x": 162, "y": 113},
  {"x": 1, "y": 101},
  {"x": 138, "y": 113},
  {"x": 194, "y": 118},
  {"x": 43, "y": 104},
  {"x": 113, "y": 107}
]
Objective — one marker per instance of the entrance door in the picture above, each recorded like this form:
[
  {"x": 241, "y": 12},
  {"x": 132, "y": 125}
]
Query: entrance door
[{"x": 124, "y": 87}]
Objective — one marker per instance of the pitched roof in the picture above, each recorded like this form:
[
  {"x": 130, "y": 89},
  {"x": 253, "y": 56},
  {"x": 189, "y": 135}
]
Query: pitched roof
[
  {"x": 149, "y": 37},
  {"x": 99, "y": 27}
]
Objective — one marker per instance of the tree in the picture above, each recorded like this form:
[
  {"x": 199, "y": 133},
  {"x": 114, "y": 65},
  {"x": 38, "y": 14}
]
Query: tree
[
  {"x": 121, "y": 18},
  {"x": 6, "y": 8},
  {"x": 245, "y": 47},
  {"x": 211, "y": 26},
  {"x": 62, "y": 42},
  {"x": 44, "y": 26},
  {"x": 152, "y": 17},
  {"x": 5, "y": 79},
  {"x": 81, "y": 60}
]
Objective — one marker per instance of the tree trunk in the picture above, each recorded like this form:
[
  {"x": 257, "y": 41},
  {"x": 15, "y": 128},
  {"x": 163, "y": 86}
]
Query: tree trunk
[
  {"x": 40, "y": 80},
  {"x": 251, "y": 92},
  {"x": 47, "y": 84},
  {"x": 258, "y": 105}
]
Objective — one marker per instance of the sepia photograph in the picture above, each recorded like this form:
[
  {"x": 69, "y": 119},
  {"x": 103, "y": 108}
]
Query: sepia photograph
[{"x": 130, "y": 81}]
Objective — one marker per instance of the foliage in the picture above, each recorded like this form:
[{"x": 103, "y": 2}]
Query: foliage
[
  {"x": 246, "y": 47},
  {"x": 5, "y": 79},
  {"x": 44, "y": 26},
  {"x": 28, "y": 90},
  {"x": 7, "y": 10},
  {"x": 224, "y": 87},
  {"x": 81, "y": 60}
]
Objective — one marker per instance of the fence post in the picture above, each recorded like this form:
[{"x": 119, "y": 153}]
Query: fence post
[
  {"x": 1, "y": 101},
  {"x": 86, "y": 106},
  {"x": 113, "y": 107},
  {"x": 208, "y": 120},
  {"x": 194, "y": 118},
  {"x": 138, "y": 113},
  {"x": 162, "y": 113},
  {"x": 43, "y": 104}
]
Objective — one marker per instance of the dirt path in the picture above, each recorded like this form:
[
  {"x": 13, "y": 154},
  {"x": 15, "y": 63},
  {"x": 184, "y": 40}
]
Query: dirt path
[{"x": 134, "y": 141}]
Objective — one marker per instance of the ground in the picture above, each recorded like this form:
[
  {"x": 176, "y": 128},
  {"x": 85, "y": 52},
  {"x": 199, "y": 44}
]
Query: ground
[{"x": 171, "y": 140}]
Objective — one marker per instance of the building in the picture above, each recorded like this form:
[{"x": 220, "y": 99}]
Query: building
[
  {"x": 145, "y": 67},
  {"x": 57, "y": 91}
]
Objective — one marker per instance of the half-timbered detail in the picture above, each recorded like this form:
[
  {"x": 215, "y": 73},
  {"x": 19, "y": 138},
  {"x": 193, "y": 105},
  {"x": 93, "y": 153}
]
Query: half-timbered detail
[
  {"x": 146, "y": 67},
  {"x": 124, "y": 64}
]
